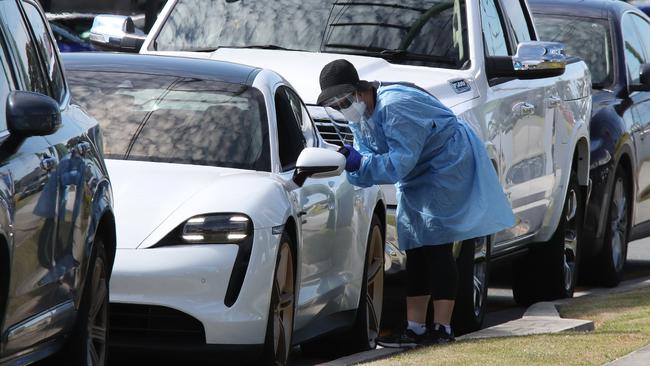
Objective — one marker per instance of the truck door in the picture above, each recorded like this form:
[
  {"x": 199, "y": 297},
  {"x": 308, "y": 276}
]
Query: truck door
[{"x": 516, "y": 112}]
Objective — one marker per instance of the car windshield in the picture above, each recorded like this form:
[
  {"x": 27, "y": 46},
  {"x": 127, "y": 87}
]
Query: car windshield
[
  {"x": 416, "y": 32},
  {"x": 586, "y": 38},
  {"x": 174, "y": 119}
]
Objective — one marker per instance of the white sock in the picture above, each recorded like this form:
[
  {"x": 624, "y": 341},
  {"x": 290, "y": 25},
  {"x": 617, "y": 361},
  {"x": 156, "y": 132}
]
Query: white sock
[{"x": 417, "y": 328}]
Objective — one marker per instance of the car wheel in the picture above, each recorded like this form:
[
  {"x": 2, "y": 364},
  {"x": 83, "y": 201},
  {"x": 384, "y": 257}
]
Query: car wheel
[
  {"x": 279, "y": 329},
  {"x": 549, "y": 270},
  {"x": 366, "y": 330},
  {"x": 88, "y": 344},
  {"x": 363, "y": 334},
  {"x": 611, "y": 259},
  {"x": 473, "y": 274}
]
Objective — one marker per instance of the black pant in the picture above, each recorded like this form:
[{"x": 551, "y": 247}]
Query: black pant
[{"x": 431, "y": 270}]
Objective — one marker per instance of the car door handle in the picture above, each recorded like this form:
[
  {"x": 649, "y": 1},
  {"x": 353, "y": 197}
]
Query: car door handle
[
  {"x": 48, "y": 163},
  {"x": 523, "y": 109},
  {"x": 553, "y": 102},
  {"x": 81, "y": 148}
]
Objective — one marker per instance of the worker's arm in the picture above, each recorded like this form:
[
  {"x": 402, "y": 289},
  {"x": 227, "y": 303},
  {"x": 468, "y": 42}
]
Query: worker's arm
[{"x": 406, "y": 128}]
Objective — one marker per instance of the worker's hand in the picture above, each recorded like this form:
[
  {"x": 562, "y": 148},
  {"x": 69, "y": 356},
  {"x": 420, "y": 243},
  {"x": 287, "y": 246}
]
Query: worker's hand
[{"x": 353, "y": 159}]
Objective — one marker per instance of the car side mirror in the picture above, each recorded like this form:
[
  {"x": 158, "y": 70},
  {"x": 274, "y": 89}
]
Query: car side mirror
[
  {"x": 32, "y": 114},
  {"x": 534, "y": 60},
  {"x": 644, "y": 79},
  {"x": 115, "y": 33},
  {"x": 318, "y": 163}
]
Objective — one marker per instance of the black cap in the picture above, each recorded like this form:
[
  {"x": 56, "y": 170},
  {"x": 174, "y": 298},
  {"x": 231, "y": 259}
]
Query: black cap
[{"x": 338, "y": 78}]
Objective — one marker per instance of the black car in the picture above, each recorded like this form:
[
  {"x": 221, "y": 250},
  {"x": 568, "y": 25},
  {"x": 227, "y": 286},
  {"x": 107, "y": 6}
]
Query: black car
[
  {"x": 57, "y": 230},
  {"x": 644, "y": 5},
  {"x": 613, "y": 37}
]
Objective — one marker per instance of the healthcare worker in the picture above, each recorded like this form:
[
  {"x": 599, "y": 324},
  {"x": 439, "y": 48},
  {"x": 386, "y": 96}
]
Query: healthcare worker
[{"x": 447, "y": 188}]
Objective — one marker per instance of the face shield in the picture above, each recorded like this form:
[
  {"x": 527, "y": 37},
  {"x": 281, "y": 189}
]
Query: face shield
[{"x": 349, "y": 105}]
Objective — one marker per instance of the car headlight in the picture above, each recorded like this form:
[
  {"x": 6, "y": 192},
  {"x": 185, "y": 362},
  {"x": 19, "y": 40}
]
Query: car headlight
[{"x": 217, "y": 228}]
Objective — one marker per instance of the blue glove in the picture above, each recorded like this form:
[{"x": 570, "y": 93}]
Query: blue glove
[{"x": 353, "y": 159}]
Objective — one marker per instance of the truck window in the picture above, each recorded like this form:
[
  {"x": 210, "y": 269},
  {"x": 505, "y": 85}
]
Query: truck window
[
  {"x": 634, "y": 54},
  {"x": 47, "y": 49},
  {"x": 24, "y": 50},
  {"x": 4, "y": 90},
  {"x": 493, "y": 35},
  {"x": 518, "y": 21},
  {"x": 413, "y": 32}
]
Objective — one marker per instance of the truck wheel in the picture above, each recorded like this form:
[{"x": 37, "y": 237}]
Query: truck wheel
[
  {"x": 549, "y": 270},
  {"x": 611, "y": 258},
  {"x": 279, "y": 329},
  {"x": 473, "y": 273}
]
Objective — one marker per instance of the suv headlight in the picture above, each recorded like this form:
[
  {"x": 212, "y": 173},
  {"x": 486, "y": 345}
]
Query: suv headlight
[{"x": 217, "y": 228}]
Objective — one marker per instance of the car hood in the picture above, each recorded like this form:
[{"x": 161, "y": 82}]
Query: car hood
[
  {"x": 151, "y": 199},
  {"x": 302, "y": 70}
]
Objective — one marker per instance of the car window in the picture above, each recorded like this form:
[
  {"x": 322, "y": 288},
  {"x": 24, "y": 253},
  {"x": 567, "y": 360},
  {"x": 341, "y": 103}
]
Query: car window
[
  {"x": 47, "y": 49},
  {"x": 517, "y": 19},
  {"x": 431, "y": 32},
  {"x": 149, "y": 117},
  {"x": 493, "y": 35},
  {"x": 634, "y": 53},
  {"x": 302, "y": 116},
  {"x": 587, "y": 38},
  {"x": 22, "y": 47},
  {"x": 4, "y": 91},
  {"x": 643, "y": 30},
  {"x": 291, "y": 141}
]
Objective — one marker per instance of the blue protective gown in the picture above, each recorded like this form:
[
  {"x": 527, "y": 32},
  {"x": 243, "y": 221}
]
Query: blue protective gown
[{"x": 447, "y": 188}]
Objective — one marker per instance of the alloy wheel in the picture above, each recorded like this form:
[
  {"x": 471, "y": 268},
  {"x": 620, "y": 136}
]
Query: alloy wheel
[
  {"x": 375, "y": 284},
  {"x": 97, "y": 316},
  {"x": 480, "y": 273},
  {"x": 283, "y": 293},
  {"x": 618, "y": 223},
  {"x": 570, "y": 239}
]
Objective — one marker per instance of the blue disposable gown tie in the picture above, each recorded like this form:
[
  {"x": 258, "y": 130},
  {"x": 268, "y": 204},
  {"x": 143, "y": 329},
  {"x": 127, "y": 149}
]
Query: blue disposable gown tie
[{"x": 447, "y": 188}]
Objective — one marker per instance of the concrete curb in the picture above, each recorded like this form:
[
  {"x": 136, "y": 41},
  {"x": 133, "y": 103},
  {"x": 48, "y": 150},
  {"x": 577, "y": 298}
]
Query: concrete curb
[{"x": 539, "y": 318}]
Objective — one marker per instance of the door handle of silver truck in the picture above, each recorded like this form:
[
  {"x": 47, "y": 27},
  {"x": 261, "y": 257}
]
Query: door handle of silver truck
[{"x": 523, "y": 109}]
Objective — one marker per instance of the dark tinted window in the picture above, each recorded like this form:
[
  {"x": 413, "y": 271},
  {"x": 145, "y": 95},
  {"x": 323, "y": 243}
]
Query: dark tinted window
[
  {"x": 428, "y": 31},
  {"x": 517, "y": 19},
  {"x": 48, "y": 50},
  {"x": 493, "y": 34},
  {"x": 22, "y": 46},
  {"x": 291, "y": 141},
  {"x": 176, "y": 120},
  {"x": 586, "y": 38},
  {"x": 634, "y": 53}
]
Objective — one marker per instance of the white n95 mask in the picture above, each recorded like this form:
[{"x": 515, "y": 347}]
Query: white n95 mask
[{"x": 355, "y": 113}]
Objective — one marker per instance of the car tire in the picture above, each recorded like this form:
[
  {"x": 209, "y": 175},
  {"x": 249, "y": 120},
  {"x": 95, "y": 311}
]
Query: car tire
[
  {"x": 88, "y": 344},
  {"x": 549, "y": 270},
  {"x": 473, "y": 276},
  {"x": 362, "y": 336},
  {"x": 279, "y": 328},
  {"x": 610, "y": 261}
]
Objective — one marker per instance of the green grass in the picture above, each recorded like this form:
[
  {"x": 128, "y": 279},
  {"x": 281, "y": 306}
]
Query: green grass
[{"x": 622, "y": 325}]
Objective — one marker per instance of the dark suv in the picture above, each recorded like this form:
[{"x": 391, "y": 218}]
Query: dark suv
[{"x": 57, "y": 231}]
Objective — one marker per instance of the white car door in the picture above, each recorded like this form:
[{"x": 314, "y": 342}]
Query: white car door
[{"x": 323, "y": 253}]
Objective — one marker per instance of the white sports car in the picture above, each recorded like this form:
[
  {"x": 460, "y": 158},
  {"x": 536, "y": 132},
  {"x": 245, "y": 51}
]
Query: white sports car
[{"x": 236, "y": 228}]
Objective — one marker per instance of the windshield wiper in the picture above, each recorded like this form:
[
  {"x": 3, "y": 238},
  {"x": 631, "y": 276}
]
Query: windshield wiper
[
  {"x": 394, "y": 54},
  {"x": 264, "y": 47},
  {"x": 199, "y": 49}
]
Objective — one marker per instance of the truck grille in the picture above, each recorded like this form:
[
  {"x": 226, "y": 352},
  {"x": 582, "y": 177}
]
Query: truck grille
[
  {"x": 334, "y": 132},
  {"x": 153, "y": 325}
]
